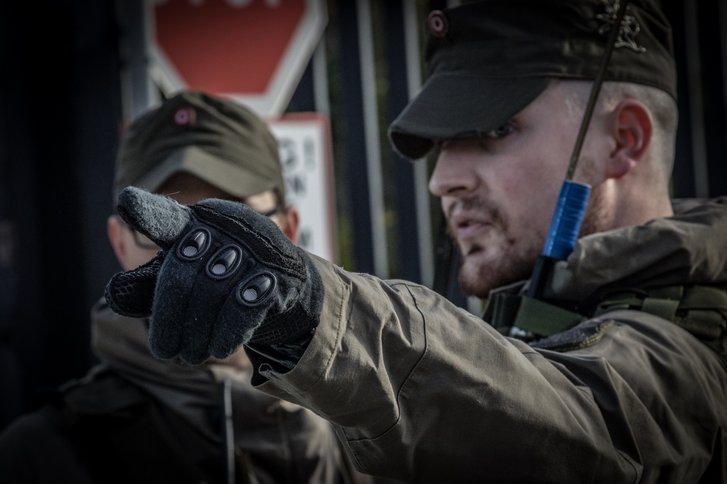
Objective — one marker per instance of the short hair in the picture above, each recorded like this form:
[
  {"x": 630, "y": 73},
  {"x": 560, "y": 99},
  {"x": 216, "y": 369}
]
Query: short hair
[{"x": 662, "y": 106}]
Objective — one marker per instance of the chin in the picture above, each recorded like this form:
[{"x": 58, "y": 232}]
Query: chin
[
  {"x": 479, "y": 274},
  {"x": 475, "y": 279}
]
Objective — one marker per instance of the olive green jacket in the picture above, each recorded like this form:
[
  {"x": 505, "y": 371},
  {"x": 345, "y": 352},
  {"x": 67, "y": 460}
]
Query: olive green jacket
[
  {"x": 137, "y": 419},
  {"x": 422, "y": 390}
]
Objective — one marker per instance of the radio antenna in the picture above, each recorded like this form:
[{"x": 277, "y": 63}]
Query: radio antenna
[{"x": 573, "y": 199}]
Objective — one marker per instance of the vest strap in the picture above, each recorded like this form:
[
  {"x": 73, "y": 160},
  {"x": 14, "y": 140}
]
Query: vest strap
[
  {"x": 542, "y": 318},
  {"x": 505, "y": 310},
  {"x": 700, "y": 310}
]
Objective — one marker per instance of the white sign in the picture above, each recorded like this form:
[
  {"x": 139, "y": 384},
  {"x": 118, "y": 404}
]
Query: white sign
[{"x": 305, "y": 152}]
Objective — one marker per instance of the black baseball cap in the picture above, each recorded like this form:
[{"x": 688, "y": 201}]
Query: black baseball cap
[
  {"x": 214, "y": 138},
  {"x": 488, "y": 60}
]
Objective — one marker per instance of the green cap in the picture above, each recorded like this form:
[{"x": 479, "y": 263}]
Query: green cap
[
  {"x": 215, "y": 139},
  {"x": 488, "y": 60}
]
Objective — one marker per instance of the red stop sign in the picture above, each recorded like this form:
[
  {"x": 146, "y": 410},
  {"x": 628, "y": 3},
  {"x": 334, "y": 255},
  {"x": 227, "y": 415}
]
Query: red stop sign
[{"x": 254, "y": 50}]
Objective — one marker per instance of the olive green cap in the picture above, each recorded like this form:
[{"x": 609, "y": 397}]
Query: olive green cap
[
  {"x": 488, "y": 60},
  {"x": 213, "y": 138}
]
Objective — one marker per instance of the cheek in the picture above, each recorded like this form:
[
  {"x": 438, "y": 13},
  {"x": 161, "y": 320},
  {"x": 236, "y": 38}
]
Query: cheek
[
  {"x": 528, "y": 177},
  {"x": 528, "y": 197},
  {"x": 445, "y": 202}
]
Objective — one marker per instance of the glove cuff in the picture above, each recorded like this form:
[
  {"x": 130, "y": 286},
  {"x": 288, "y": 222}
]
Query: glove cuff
[
  {"x": 131, "y": 293},
  {"x": 282, "y": 328}
]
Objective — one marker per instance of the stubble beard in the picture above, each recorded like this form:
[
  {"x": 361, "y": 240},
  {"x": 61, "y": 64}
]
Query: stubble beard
[
  {"x": 597, "y": 216},
  {"x": 478, "y": 280},
  {"x": 514, "y": 262},
  {"x": 517, "y": 259}
]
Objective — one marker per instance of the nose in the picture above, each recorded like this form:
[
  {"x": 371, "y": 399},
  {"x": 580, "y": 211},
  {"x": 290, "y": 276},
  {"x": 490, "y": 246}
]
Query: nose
[{"x": 453, "y": 173}]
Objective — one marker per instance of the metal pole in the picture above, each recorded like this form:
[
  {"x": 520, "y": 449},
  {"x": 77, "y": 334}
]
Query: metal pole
[
  {"x": 373, "y": 143},
  {"x": 421, "y": 175}
]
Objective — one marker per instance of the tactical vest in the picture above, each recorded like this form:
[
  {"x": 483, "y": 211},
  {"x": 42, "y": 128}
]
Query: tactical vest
[{"x": 699, "y": 309}]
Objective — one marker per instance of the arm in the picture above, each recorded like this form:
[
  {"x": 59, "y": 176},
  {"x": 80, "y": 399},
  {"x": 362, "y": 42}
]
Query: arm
[{"x": 421, "y": 389}]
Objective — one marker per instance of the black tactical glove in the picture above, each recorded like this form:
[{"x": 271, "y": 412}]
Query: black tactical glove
[{"x": 226, "y": 276}]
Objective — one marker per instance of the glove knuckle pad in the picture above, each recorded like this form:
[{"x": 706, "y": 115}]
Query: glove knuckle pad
[
  {"x": 195, "y": 244},
  {"x": 225, "y": 261},
  {"x": 257, "y": 289}
]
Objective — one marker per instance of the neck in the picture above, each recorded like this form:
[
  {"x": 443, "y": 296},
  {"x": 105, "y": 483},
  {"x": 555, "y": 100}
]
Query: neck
[{"x": 614, "y": 205}]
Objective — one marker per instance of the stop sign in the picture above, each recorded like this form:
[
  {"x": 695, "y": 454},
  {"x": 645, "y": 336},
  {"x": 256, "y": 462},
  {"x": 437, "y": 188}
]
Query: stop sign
[{"x": 251, "y": 50}]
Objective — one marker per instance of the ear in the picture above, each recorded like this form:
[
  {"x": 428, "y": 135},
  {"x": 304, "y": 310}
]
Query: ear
[
  {"x": 290, "y": 223},
  {"x": 632, "y": 130},
  {"x": 115, "y": 233}
]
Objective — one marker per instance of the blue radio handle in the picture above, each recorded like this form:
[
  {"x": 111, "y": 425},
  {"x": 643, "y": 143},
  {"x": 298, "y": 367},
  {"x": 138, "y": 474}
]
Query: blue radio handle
[{"x": 567, "y": 220}]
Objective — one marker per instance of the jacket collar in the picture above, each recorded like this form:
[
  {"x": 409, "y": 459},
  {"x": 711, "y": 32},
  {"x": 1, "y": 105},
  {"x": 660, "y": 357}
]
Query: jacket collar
[{"x": 687, "y": 248}]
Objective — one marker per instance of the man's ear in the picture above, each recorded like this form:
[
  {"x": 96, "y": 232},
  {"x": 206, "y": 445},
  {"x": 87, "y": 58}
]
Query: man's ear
[
  {"x": 290, "y": 223},
  {"x": 115, "y": 232},
  {"x": 632, "y": 126}
]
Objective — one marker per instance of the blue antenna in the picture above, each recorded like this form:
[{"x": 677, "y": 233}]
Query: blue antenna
[{"x": 573, "y": 199}]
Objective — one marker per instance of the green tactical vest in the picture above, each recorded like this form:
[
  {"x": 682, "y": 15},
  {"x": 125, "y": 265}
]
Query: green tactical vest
[{"x": 699, "y": 309}]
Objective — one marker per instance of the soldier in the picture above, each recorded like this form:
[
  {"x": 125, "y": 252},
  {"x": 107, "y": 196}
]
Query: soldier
[
  {"x": 135, "y": 418},
  {"x": 614, "y": 373}
]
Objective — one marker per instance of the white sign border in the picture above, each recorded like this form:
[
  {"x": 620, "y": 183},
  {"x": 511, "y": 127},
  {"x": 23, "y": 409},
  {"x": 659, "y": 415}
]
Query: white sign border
[
  {"x": 324, "y": 125},
  {"x": 285, "y": 79}
]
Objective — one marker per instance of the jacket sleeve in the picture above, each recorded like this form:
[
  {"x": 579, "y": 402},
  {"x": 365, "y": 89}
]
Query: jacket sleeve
[{"x": 422, "y": 390}]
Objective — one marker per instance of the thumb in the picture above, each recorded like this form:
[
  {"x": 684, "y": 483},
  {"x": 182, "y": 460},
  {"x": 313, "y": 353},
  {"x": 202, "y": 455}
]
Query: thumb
[
  {"x": 131, "y": 293},
  {"x": 158, "y": 217}
]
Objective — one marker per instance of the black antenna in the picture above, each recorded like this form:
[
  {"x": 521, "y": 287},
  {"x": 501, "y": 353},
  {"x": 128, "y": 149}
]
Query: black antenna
[
  {"x": 596, "y": 89},
  {"x": 573, "y": 199}
]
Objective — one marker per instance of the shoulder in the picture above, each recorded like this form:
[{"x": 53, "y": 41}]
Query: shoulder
[
  {"x": 50, "y": 439},
  {"x": 36, "y": 447},
  {"x": 27, "y": 429},
  {"x": 646, "y": 352},
  {"x": 609, "y": 334}
]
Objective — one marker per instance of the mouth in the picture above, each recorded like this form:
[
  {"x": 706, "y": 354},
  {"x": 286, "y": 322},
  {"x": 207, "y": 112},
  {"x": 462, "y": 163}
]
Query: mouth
[{"x": 466, "y": 227}]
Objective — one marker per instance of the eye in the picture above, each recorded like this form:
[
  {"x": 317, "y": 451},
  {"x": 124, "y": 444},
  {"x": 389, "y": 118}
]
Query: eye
[
  {"x": 436, "y": 147},
  {"x": 501, "y": 131}
]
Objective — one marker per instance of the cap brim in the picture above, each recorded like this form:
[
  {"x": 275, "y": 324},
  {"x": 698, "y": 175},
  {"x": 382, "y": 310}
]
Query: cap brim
[
  {"x": 216, "y": 171},
  {"x": 452, "y": 106}
]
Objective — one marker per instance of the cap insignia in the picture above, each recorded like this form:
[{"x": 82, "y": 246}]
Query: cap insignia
[
  {"x": 184, "y": 116},
  {"x": 628, "y": 30},
  {"x": 437, "y": 22}
]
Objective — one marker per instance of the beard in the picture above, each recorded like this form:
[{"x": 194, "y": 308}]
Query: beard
[
  {"x": 517, "y": 257},
  {"x": 597, "y": 217},
  {"x": 514, "y": 262},
  {"x": 478, "y": 280}
]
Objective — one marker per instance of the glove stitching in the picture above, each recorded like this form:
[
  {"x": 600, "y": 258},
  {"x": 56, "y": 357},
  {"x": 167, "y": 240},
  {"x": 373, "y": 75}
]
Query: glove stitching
[{"x": 296, "y": 267}]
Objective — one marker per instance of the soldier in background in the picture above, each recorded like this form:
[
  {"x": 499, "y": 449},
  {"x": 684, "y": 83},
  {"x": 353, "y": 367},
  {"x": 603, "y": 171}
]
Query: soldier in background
[{"x": 135, "y": 418}]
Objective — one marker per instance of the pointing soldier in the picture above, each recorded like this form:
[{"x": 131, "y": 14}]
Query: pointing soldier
[{"x": 615, "y": 373}]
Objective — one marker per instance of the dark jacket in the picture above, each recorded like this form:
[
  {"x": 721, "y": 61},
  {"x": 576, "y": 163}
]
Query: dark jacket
[
  {"x": 137, "y": 419},
  {"x": 424, "y": 391}
]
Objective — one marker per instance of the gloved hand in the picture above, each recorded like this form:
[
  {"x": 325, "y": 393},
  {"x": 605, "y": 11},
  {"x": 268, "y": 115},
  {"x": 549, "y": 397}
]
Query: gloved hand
[{"x": 225, "y": 276}]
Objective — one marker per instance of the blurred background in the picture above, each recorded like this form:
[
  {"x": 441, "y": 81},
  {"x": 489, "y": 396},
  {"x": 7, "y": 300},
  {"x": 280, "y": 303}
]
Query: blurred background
[{"x": 74, "y": 72}]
